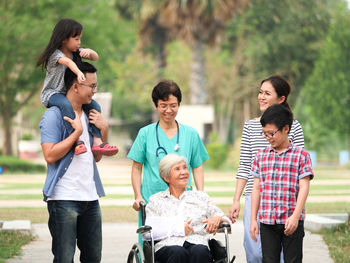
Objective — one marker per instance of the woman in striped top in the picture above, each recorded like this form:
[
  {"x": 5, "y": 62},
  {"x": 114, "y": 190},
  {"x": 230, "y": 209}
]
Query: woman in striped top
[{"x": 273, "y": 90}]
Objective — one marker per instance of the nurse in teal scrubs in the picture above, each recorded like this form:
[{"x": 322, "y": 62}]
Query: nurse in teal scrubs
[{"x": 166, "y": 136}]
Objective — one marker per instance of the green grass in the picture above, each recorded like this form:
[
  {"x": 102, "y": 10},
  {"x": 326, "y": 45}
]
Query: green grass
[
  {"x": 20, "y": 186},
  {"x": 11, "y": 243},
  {"x": 338, "y": 242},
  {"x": 40, "y": 215},
  {"x": 40, "y": 196},
  {"x": 225, "y": 179},
  {"x": 327, "y": 208}
]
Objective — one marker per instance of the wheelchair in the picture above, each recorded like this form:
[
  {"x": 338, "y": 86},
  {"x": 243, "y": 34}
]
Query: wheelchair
[{"x": 145, "y": 253}]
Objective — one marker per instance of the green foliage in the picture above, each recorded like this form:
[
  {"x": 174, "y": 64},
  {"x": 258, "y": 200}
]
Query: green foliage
[
  {"x": 13, "y": 164},
  {"x": 270, "y": 37},
  {"x": 282, "y": 36},
  {"x": 27, "y": 28},
  {"x": 11, "y": 243},
  {"x": 27, "y": 137},
  {"x": 338, "y": 242},
  {"x": 217, "y": 151},
  {"x": 325, "y": 100},
  {"x": 132, "y": 101}
]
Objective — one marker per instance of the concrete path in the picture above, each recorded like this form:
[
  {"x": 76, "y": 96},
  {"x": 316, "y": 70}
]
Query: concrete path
[{"x": 119, "y": 237}]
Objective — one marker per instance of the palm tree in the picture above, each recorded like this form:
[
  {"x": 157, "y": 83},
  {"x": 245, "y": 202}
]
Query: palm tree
[
  {"x": 153, "y": 39},
  {"x": 198, "y": 22}
]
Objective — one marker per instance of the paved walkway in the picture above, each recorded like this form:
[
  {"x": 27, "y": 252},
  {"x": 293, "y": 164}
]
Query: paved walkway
[{"x": 119, "y": 237}]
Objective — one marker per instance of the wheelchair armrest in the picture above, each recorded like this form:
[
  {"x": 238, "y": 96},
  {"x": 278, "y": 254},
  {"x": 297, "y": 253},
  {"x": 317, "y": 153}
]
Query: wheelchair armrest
[
  {"x": 143, "y": 229},
  {"x": 222, "y": 227}
]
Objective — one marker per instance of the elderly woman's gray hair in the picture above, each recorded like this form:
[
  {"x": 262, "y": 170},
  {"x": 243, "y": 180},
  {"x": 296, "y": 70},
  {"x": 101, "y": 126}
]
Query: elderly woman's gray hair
[{"x": 169, "y": 161}]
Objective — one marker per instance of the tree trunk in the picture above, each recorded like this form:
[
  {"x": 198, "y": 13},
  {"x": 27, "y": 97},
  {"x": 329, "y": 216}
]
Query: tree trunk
[
  {"x": 160, "y": 59},
  {"x": 7, "y": 146},
  {"x": 198, "y": 88},
  {"x": 223, "y": 119},
  {"x": 246, "y": 109}
]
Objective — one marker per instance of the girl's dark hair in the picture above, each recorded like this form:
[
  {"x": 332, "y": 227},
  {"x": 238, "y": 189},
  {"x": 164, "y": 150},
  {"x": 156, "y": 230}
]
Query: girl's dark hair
[
  {"x": 281, "y": 87},
  {"x": 279, "y": 115},
  {"x": 164, "y": 89},
  {"x": 65, "y": 28}
]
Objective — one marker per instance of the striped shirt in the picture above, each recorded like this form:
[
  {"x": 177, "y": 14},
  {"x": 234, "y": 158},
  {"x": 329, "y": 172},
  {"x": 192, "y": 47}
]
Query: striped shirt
[
  {"x": 252, "y": 141},
  {"x": 279, "y": 175}
]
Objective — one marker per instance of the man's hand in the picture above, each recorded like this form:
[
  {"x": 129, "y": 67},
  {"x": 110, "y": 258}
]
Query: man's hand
[
  {"x": 254, "y": 230},
  {"x": 76, "y": 123},
  {"x": 188, "y": 228},
  {"x": 291, "y": 225},
  {"x": 97, "y": 119},
  {"x": 234, "y": 211},
  {"x": 213, "y": 224}
]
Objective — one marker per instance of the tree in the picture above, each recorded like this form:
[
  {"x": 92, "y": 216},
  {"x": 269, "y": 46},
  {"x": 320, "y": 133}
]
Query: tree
[
  {"x": 25, "y": 35},
  {"x": 198, "y": 23},
  {"x": 18, "y": 77},
  {"x": 270, "y": 37},
  {"x": 325, "y": 101}
]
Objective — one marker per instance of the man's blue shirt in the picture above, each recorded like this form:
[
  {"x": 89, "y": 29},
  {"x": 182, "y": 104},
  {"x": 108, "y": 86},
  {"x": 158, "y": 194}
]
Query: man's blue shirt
[{"x": 52, "y": 130}]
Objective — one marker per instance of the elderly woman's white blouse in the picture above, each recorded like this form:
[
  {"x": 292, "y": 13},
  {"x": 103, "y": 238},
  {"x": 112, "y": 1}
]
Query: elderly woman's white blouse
[{"x": 167, "y": 216}]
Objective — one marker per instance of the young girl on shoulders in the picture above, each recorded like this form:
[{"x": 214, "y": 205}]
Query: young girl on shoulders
[{"x": 62, "y": 51}]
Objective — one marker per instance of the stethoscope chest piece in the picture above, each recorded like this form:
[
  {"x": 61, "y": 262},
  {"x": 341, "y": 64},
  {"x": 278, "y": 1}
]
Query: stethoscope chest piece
[{"x": 162, "y": 149}]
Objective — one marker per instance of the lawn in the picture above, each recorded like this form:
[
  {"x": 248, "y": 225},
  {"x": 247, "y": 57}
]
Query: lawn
[
  {"x": 330, "y": 184},
  {"x": 11, "y": 243}
]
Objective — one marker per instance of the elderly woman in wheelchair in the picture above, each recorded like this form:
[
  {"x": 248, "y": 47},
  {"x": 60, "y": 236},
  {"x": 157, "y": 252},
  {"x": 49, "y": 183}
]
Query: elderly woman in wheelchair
[{"x": 181, "y": 221}]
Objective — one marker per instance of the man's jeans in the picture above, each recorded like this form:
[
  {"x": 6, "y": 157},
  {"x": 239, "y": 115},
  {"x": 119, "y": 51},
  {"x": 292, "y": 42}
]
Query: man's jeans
[{"x": 75, "y": 222}]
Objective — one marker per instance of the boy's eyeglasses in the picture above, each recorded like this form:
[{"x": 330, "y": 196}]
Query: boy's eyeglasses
[
  {"x": 269, "y": 135},
  {"x": 92, "y": 86}
]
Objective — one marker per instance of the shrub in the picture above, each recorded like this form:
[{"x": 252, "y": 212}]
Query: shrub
[
  {"x": 27, "y": 137},
  {"x": 13, "y": 164},
  {"x": 218, "y": 152}
]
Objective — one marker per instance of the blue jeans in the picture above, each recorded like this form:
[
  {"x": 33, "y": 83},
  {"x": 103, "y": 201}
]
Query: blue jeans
[
  {"x": 75, "y": 222},
  {"x": 252, "y": 249},
  {"x": 59, "y": 100}
]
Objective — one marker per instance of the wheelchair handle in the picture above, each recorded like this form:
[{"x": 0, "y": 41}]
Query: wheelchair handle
[{"x": 143, "y": 212}]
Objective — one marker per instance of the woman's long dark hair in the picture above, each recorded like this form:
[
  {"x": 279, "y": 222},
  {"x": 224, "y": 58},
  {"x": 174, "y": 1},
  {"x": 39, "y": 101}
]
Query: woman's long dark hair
[
  {"x": 281, "y": 87},
  {"x": 65, "y": 28}
]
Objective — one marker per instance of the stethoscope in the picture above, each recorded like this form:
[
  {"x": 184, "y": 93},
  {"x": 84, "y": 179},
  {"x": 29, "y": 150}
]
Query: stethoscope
[{"x": 161, "y": 148}]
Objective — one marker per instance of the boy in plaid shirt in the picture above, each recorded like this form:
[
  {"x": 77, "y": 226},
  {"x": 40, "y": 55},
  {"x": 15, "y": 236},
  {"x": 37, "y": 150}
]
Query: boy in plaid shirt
[{"x": 282, "y": 174}]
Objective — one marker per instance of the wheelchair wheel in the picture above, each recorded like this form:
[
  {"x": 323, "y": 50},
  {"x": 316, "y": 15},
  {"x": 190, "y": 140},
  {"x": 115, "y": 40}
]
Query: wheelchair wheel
[{"x": 136, "y": 254}]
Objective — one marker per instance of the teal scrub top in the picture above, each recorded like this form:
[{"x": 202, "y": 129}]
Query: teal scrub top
[{"x": 144, "y": 148}]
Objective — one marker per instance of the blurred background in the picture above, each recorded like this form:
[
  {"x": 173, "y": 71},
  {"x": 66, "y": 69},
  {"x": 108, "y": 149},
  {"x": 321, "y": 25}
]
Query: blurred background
[{"x": 218, "y": 51}]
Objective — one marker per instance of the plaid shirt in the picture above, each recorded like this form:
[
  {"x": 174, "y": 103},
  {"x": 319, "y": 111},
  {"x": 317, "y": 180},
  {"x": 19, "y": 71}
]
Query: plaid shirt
[{"x": 279, "y": 176}]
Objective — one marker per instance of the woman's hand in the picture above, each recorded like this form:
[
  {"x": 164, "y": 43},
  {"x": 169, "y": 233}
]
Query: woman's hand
[
  {"x": 213, "y": 224},
  {"x": 136, "y": 204},
  {"x": 188, "y": 228},
  {"x": 234, "y": 211}
]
